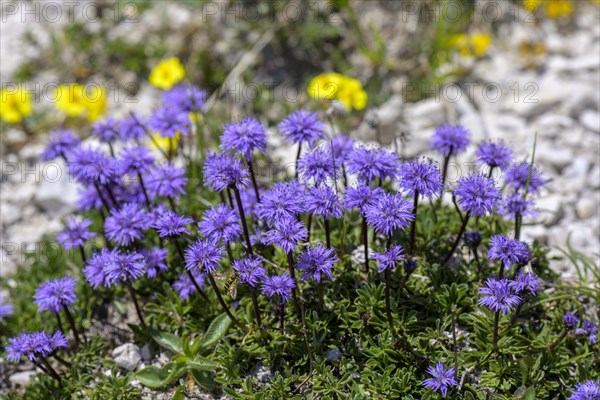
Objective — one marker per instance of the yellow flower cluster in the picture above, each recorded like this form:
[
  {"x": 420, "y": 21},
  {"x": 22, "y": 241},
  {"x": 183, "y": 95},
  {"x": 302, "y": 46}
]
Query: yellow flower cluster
[
  {"x": 15, "y": 104},
  {"x": 471, "y": 44},
  {"x": 346, "y": 90},
  {"x": 167, "y": 73},
  {"x": 80, "y": 101},
  {"x": 554, "y": 9}
]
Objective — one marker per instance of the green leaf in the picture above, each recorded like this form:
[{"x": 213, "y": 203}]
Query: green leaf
[
  {"x": 217, "y": 329},
  {"x": 530, "y": 393},
  {"x": 203, "y": 364},
  {"x": 167, "y": 340},
  {"x": 203, "y": 379},
  {"x": 152, "y": 377}
]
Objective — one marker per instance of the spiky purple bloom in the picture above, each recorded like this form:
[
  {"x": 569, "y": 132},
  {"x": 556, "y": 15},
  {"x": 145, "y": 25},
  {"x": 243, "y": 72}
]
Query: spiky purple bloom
[
  {"x": 589, "y": 390},
  {"x": 250, "y": 270},
  {"x": 526, "y": 281},
  {"x": 477, "y": 194},
  {"x": 498, "y": 294},
  {"x": 167, "y": 122},
  {"x": 106, "y": 130},
  {"x": 131, "y": 128},
  {"x": 221, "y": 223},
  {"x": 590, "y": 329},
  {"x": 169, "y": 224},
  {"x": 61, "y": 143},
  {"x": 55, "y": 294},
  {"x": 389, "y": 258},
  {"x": 166, "y": 180},
  {"x": 409, "y": 265},
  {"x": 284, "y": 201},
  {"x": 185, "y": 287},
  {"x": 184, "y": 99},
  {"x": 286, "y": 235},
  {"x": 125, "y": 267},
  {"x": 222, "y": 171},
  {"x": 390, "y": 212},
  {"x": 421, "y": 177},
  {"x": 361, "y": 196},
  {"x": 76, "y": 233},
  {"x": 203, "y": 255},
  {"x": 126, "y": 224},
  {"x": 373, "y": 163},
  {"x": 317, "y": 164},
  {"x": 136, "y": 160},
  {"x": 494, "y": 154},
  {"x": 508, "y": 251},
  {"x": 342, "y": 147},
  {"x": 280, "y": 285},
  {"x": 34, "y": 345},
  {"x": 522, "y": 175},
  {"x": 156, "y": 261},
  {"x": 302, "y": 126},
  {"x": 323, "y": 201},
  {"x": 89, "y": 199},
  {"x": 570, "y": 320},
  {"x": 441, "y": 378},
  {"x": 243, "y": 137},
  {"x": 517, "y": 204},
  {"x": 472, "y": 239},
  {"x": 450, "y": 139},
  {"x": 93, "y": 166},
  {"x": 95, "y": 269},
  {"x": 6, "y": 309},
  {"x": 317, "y": 262}
]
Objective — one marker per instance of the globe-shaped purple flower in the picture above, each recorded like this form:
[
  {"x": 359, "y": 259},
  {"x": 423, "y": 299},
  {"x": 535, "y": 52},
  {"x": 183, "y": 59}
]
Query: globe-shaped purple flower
[
  {"x": 389, "y": 258},
  {"x": 166, "y": 180},
  {"x": 203, "y": 255},
  {"x": 420, "y": 177},
  {"x": 450, "y": 139},
  {"x": 132, "y": 128},
  {"x": 287, "y": 235},
  {"x": 526, "y": 281},
  {"x": 221, "y": 223},
  {"x": 498, "y": 294},
  {"x": 441, "y": 378},
  {"x": 317, "y": 262},
  {"x": 342, "y": 147},
  {"x": 524, "y": 176},
  {"x": 95, "y": 269},
  {"x": 184, "y": 99},
  {"x": 317, "y": 165},
  {"x": 588, "y": 390},
  {"x": 127, "y": 224},
  {"x": 106, "y": 130},
  {"x": 76, "y": 233},
  {"x": 389, "y": 213},
  {"x": 494, "y": 154},
  {"x": 280, "y": 285},
  {"x": 570, "y": 320},
  {"x": 35, "y": 346},
  {"x": 323, "y": 201},
  {"x": 244, "y": 137},
  {"x": 124, "y": 267},
  {"x": 516, "y": 204},
  {"x": 302, "y": 126},
  {"x": 185, "y": 287},
  {"x": 373, "y": 163},
  {"x": 250, "y": 270},
  {"x": 156, "y": 261},
  {"x": 283, "y": 202},
  {"x": 136, "y": 160},
  {"x": 90, "y": 166},
  {"x": 477, "y": 194},
  {"x": 169, "y": 224},
  {"x": 222, "y": 171},
  {"x": 61, "y": 143},
  {"x": 56, "y": 294},
  {"x": 167, "y": 122},
  {"x": 361, "y": 196},
  {"x": 508, "y": 251}
]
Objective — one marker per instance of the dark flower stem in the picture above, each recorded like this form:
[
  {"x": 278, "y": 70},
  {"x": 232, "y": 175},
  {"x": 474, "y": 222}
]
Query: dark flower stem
[
  {"x": 298, "y": 158},
  {"x": 62, "y": 361},
  {"x": 255, "y": 305},
  {"x": 189, "y": 273},
  {"x": 102, "y": 199},
  {"x": 290, "y": 257},
  {"x": 515, "y": 316},
  {"x": 221, "y": 301},
  {"x": 172, "y": 204},
  {"x": 144, "y": 190},
  {"x": 491, "y": 171},
  {"x": 413, "y": 225},
  {"x": 253, "y": 177},
  {"x": 308, "y": 227},
  {"x": 557, "y": 342},
  {"x": 238, "y": 199},
  {"x": 229, "y": 253},
  {"x": 501, "y": 271},
  {"x": 365, "y": 237},
  {"x": 282, "y": 317},
  {"x": 327, "y": 233},
  {"x": 444, "y": 174},
  {"x": 496, "y": 323},
  {"x": 518, "y": 222},
  {"x": 138, "y": 309},
  {"x": 50, "y": 370},
  {"x": 230, "y": 199},
  {"x": 388, "y": 285},
  {"x": 72, "y": 323},
  {"x": 59, "y": 322},
  {"x": 478, "y": 262},
  {"x": 457, "y": 241},
  {"x": 82, "y": 253},
  {"x": 112, "y": 196},
  {"x": 111, "y": 149}
]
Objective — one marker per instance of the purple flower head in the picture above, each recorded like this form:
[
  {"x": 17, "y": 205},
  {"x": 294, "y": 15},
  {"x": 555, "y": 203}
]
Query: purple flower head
[
  {"x": 124, "y": 267},
  {"x": 107, "y": 130},
  {"x": 185, "y": 287},
  {"x": 450, "y": 139},
  {"x": 56, "y": 294},
  {"x": 389, "y": 258},
  {"x": 60, "y": 145},
  {"x": 166, "y": 180},
  {"x": 477, "y": 194},
  {"x": 136, "y": 160},
  {"x": 184, "y": 99},
  {"x": 317, "y": 165},
  {"x": 498, "y": 294},
  {"x": 389, "y": 213},
  {"x": 472, "y": 239},
  {"x": 89, "y": 199},
  {"x": 287, "y": 235},
  {"x": 516, "y": 204},
  {"x": 280, "y": 285},
  {"x": 589, "y": 390},
  {"x": 342, "y": 147},
  {"x": 526, "y": 281},
  {"x": 284, "y": 201},
  {"x": 420, "y": 177},
  {"x": 169, "y": 224},
  {"x": 317, "y": 262},
  {"x": 523, "y": 176},
  {"x": 508, "y": 251},
  {"x": 167, "y": 122},
  {"x": 221, "y": 223},
  {"x": 494, "y": 154},
  {"x": 570, "y": 320},
  {"x": 361, "y": 196},
  {"x": 222, "y": 171},
  {"x": 127, "y": 224},
  {"x": 522, "y": 253},
  {"x": 302, "y": 126},
  {"x": 95, "y": 269},
  {"x": 93, "y": 166},
  {"x": 34, "y": 345},
  {"x": 156, "y": 261},
  {"x": 243, "y": 137},
  {"x": 131, "y": 128},
  {"x": 250, "y": 270},
  {"x": 590, "y": 329},
  {"x": 441, "y": 378},
  {"x": 409, "y": 265},
  {"x": 323, "y": 201},
  {"x": 6, "y": 309},
  {"x": 203, "y": 255},
  {"x": 76, "y": 233},
  {"x": 373, "y": 163}
]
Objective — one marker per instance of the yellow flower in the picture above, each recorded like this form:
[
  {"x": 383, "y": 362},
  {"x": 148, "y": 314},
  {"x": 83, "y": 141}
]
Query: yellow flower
[
  {"x": 167, "y": 73},
  {"x": 346, "y": 90},
  {"x": 558, "y": 8},
  {"x": 165, "y": 144},
  {"x": 473, "y": 44},
  {"x": 77, "y": 100},
  {"x": 531, "y": 5},
  {"x": 15, "y": 104}
]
